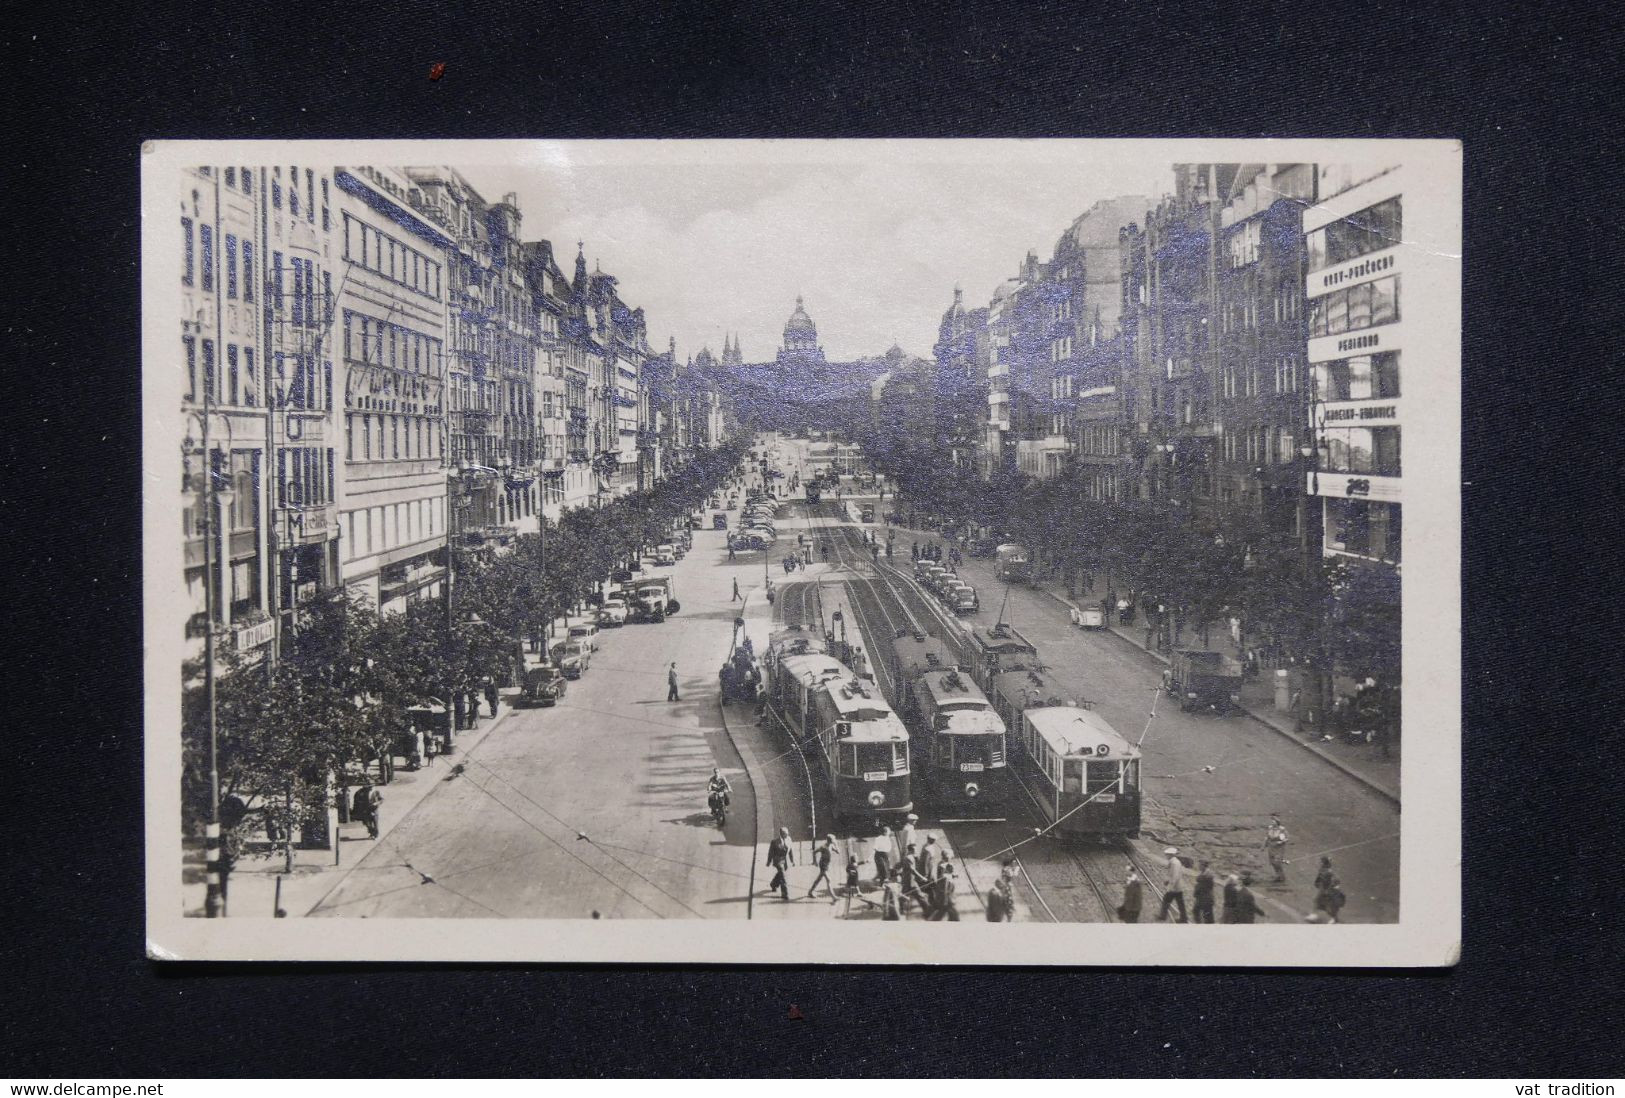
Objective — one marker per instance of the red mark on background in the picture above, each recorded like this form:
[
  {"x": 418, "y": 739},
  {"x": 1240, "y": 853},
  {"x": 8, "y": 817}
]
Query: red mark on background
[
  {"x": 795, "y": 1013},
  {"x": 437, "y": 70}
]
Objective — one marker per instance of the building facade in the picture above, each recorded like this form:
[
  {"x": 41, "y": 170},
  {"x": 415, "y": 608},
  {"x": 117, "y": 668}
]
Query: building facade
[
  {"x": 1356, "y": 338},
  {"x": 392, "y": 362}
]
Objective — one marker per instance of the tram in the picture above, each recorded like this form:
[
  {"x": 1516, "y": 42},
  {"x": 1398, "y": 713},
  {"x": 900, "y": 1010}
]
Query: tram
[
  {"x": 1084, "y": 776},
  {"x": 999, "y": 648},
  {"x": 959, "y": 740},
  {"x": 1014, "y": 692},
  {"x": 963, "y": 750},
  {"x": 862, "y": 746},
  {"x": 914, "y": 653}
]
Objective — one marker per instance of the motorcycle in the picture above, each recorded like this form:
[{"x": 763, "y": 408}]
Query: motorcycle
[{"x": 719, "y": 807}]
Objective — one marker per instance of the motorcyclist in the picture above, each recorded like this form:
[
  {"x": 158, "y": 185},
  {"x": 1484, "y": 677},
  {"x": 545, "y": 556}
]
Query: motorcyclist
[{"x": 719, "y": 785}]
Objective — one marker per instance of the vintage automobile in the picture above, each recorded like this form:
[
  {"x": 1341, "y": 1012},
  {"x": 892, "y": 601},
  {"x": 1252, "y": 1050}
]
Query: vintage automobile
[
  {"x": 751, "y": 539},
  {"x": 868, "y": 513},
  {"x": 573, "y": 657},
  {"x": 587, "y": 633},
  {"x": 613, "y": 611},
  {"x": 961, "y": 598},
  {"x": 719, "y": 520},
  {"x": 544, "y": 686},
  {"x": 665, "y": 554},
  {"x": 1203, "y": 680},
  {"x": 1088, "y": 617}
]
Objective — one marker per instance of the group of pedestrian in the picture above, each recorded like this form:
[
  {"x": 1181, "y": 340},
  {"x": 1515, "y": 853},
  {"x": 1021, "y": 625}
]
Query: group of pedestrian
[
  {"x": 1240, "y": 905},
  {"x": 466, "y": 704},
  {"x": 912, "y": 874}
]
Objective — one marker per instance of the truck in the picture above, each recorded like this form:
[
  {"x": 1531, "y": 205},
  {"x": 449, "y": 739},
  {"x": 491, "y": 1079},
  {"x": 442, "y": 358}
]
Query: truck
[{"x": 654, "y": 599}]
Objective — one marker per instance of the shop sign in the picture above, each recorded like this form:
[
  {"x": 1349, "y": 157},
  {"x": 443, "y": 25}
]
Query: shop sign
[
  {"x": 252, "y": 636},
  {"x": 874, "y": 775},
  {"x": 1353, "y": 271},
  {"x": 1363, "y": 413},
  {"x": 1356, "y": 486},
  {"x": 1368, "y": 341}
]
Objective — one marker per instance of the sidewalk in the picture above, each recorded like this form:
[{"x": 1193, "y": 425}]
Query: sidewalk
[
  {"x": 258, "y": 886},
  {"x": 1364, "y": 763}
]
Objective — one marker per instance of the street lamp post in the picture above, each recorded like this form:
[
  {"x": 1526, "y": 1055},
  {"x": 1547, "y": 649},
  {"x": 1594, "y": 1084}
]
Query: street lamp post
[{"x": 213, "y": 498}]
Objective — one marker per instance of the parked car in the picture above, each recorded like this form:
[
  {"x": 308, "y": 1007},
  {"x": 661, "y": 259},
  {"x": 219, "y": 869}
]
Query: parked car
[
  {"x": 751, "y": 539},
  {"x": 963, "y": 600},
  {"x": 665, "y": 554},
  {"x": 868, "y": 512},
  {"x": 544, "y": 686},
  {"x": 613, "y": 612},
  {"x": 719, "y": 520},
  {"x": 573, "y": 657},
  {"x": 586, "y": 633}
]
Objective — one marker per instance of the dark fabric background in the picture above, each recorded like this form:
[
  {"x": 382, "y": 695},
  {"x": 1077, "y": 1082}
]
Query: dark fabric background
[{"x": 1537, "y": 990}]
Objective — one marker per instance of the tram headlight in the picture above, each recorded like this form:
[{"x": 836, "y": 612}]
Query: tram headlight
[
  {"x": 972, "y": 789},
  {"x": 876, "y": 798}
]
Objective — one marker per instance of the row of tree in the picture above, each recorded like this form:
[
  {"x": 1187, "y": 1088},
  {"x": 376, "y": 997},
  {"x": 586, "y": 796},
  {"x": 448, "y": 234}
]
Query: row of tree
[
  {"x": 347, "y": 680},
  {"x": 1323, "y": 612}
]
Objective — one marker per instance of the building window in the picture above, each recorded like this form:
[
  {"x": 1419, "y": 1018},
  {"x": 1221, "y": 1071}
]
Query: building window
[
  {"x": 1364, "y": 377},
  {"x": 248, "y": 181},
  {"x": 248, "y": 271},
  {"x": 1372, "y": 229},
  {"x": 190, "y": 344},
  {"x": 233, "y": 377},
  {"x": 1364, "y": 528},
  {"x": 231, "y": 264},
  {"x": 1370, "y": 450},
  {"x": 187, "y": 259},
  {"x": 206, "y": 239},
  {"x": 276, "y": 188},
  {"x": 327, "y": 223},
  {"x": 310, "y": 195},
  {"x": 209, "y": 390},
  {"x": 250, "y": 396}
]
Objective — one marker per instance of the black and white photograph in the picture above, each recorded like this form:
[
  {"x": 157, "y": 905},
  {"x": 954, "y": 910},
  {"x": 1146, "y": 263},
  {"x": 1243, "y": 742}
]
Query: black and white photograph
[{"x": 711, "y": 551}]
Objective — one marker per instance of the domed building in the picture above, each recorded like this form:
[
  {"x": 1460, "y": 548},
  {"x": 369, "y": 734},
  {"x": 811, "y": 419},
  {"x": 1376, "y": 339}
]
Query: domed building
[{"x": 800, "y": 340}]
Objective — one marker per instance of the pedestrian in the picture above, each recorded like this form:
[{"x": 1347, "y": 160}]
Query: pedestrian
[
  {"x": 821, "y": 859},
  {"x": 491, "y": 695},
  {"x": 1001, "y": 898},
  {"x": 914, "y": 550},
  {"x": 1275, "y": 840},
  {"x": 1247, "y": 909},
  {"x": 1133, "y": 895},
  {"x": 912, "y": 885},
  {"x": 473, "y": 707},
  {"x": 906, "y": 835},
  {"x": 1232, "y": 899},
  {"x": 891, "y": 900},
  {"x": 364, "y": 807},
  {"x": 852, "y": 862},
  {"x": 883, "y": 843},
  {"x": 1329, "y": 895},
  {"x": 1173, "y": 886},
  {"x": 731, "y": 556},
  {"x": 1202, "y": 895},
  {"x": 671, "y": 683},
  {"x": 944, "y": 909},
  {"x": 926, "y": 863},
  {"x": 781, "y": 857}
]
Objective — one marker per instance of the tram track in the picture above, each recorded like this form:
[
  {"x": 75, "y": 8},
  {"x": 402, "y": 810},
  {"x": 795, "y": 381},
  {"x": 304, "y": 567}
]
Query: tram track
[{"x": 1057, "y": 879}]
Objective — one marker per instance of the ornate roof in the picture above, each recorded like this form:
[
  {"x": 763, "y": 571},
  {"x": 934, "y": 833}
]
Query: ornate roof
[{"x": 800, "y": 323}]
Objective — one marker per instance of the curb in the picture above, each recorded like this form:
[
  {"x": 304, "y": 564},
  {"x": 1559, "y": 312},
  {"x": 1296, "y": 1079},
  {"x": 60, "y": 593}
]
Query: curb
[
  {"x": 760, "y": 791},
  {"x": 1376, "y": 787}
]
